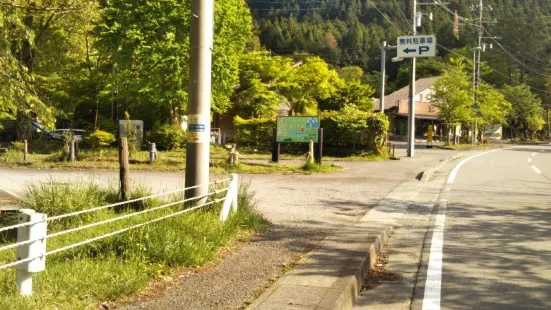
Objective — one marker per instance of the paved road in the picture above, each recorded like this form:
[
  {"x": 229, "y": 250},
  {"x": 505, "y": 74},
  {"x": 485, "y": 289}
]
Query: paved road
[
  {"x": 493, "y": 231},
  {"x": 323, "y": 201}
]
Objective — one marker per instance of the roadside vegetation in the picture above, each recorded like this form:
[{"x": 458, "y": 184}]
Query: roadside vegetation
[{"x": 124, "y": 264}]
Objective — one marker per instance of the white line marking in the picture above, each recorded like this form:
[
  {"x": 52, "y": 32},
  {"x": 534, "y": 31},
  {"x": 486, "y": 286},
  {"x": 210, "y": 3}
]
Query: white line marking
[
  {"x": 529, "y": 159},
  {"x": 534, "y": 154},
  {"x": 452, "y": 175},
  {"x": 433, "y": 285},
  {"x": 536, "y": 170}
]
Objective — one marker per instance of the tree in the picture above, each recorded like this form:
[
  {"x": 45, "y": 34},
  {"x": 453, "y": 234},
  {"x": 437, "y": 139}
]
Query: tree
[
  {"x": 351, "y": 73},
  {"x": 453, "y": 96},
  {"x": 148, "y": 42},
  {"x": 527, "y": 114},
  {"x": 256, "y": 95},
  {"x": 352, "y": 123},
  {"x": 352, "y": 93},
  {"x": 493, "y": 107},
  {"x": 308, "y": 83}
]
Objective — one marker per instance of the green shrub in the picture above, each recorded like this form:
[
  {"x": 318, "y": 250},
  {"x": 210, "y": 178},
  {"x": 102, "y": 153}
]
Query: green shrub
[
  {"x": 17, "y": 145},
  {"x": 256, "y": 132},
  {"x": 355, "y": 129},
  {"x": 168, "y": 137},
  {"x": 123, "y": 264},
  {"x": 100, "y": 138}
]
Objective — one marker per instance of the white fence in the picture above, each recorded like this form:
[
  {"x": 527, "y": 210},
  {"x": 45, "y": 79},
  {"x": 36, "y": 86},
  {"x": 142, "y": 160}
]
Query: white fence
[{"x": 32, "y": 228}]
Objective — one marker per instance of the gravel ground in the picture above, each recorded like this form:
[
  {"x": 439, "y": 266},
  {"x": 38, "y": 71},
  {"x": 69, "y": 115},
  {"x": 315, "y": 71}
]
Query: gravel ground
[{"x": 239, "y": 278}]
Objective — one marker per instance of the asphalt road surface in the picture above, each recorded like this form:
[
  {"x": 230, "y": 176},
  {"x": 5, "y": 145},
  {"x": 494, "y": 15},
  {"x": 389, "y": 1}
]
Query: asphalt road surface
[{"x": 490, "y": 246}]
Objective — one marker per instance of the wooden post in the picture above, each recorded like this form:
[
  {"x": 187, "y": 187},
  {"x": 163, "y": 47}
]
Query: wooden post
[
  {"x": 72, "y": 151},
  {"x": 123, "y": 164},
  {"x": 276, "y": 147},
  {"x": 310, "y": 151},
  {"x": 25, "y": 151},
  {"x": 319, "y": 148},
  {"x": 234, "y": 154}
]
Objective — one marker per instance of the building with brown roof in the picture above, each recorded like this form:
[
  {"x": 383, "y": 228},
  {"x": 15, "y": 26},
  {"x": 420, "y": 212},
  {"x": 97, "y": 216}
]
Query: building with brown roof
[{"x": 396, "y": 108}]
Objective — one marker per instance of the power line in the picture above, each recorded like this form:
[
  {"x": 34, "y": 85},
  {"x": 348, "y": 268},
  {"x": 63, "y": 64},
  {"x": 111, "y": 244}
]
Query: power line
[
  {"x": 499, "y": 44},
  {"x": 493, "y": 70},
  {"x": 477, "y": 62},
  {"x": 513, "y": 57},
  {"x": 402, "y": 12},
  {"x": 386, "y": 17}
]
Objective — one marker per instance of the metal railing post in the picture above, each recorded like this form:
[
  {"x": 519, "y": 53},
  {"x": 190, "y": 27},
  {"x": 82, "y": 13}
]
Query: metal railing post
[
  {"x": 235, "y": 190},
  {"x": 72, "y": 151},
  {"x": 35, "y": 249},
  {"x": 152, "y": 152},
  {"x": 230, "y": 201}
]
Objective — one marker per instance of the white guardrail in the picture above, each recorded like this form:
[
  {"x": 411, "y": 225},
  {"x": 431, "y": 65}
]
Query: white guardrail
[{"x": 32, "y": 228}]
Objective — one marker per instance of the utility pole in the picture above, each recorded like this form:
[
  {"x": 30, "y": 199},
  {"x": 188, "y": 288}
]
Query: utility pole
[
  {"x": 479, "y": 49},
  {"x": 383, "y": 76},
  {"x": 474, "y": 91},
  {"x": 411, "y": 108},
  {"x": 198, "y": 135}
]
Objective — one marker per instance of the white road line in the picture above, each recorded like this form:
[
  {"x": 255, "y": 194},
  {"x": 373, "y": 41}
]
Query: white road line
[
  {"x": 452, "y": 175},
  {"x": 529, "y": 159},
  {"x": 433, "y": 285},
  {"x": 534, "y": 154},
  {"x": 536, "y": 170}
]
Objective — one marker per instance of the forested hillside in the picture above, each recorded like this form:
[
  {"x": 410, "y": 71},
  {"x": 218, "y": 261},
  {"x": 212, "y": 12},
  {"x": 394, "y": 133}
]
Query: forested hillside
[
  {"x": 348, "y": 32},
  {"x": 87, "y": 62}
]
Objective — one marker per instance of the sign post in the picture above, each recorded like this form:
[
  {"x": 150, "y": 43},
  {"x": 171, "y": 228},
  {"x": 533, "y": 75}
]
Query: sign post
[{"x": 413, "y": 47}]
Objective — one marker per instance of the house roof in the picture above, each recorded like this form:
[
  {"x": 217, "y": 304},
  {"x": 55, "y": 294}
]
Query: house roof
[{"x": 402, "y": 93}]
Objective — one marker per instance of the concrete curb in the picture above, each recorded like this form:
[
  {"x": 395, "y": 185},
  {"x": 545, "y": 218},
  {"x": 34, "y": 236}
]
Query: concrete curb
[
  {"x": 427, "y": 173},
  {"x": 345, "y": 289}
]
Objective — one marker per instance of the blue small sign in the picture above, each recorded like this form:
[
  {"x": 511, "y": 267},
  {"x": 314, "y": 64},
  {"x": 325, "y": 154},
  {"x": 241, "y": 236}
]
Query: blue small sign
[{"x": 196, "y": 127}]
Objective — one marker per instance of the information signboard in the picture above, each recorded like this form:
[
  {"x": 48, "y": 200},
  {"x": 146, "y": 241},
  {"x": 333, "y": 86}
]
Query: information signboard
[{"x": 297, "y": 128}]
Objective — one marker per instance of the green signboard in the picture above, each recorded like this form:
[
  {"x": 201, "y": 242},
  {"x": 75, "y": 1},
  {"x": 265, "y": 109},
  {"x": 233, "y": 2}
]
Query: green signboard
[{"x": 297, "y": 128}]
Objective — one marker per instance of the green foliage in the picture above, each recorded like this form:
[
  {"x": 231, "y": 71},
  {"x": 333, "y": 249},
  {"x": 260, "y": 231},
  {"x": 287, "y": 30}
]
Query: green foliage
[
  {"x": 352, "y": 93},
  {"x": 123, "y": 264},
  {"x": 354, "y": 128},
  {"x": 18, "y": 93},
  {"x": 168, "y": 137},
  {"x": 255, "y": 131},
  {"x": 453, "y": 95},
  {"x": 152, "y": 58},
  {"x": 99, "y": 138},
  {"x": 351, "y": 73},
  {"x": 493, "y": 107},
  {"x": 308, "y": 83},
  {"x": 527, "y": 114},
  {"x": 379, "y": 126},
  {"x": 259, "y": 73}
]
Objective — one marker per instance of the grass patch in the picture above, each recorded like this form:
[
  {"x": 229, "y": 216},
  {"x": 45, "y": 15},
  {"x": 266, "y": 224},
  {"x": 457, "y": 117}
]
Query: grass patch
[
  {"x": 122, "y": 265},
  {"x": 469, "y": 146},
  {"x": 175, "y": 160},
  {"x": 266, "y": 168},
  {"x": 367, "y": 156}
]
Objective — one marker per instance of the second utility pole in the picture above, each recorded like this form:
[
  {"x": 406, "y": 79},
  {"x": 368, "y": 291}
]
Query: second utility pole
[
  {"x": 411, "y": 105},
  {"x": 479, "y": 48}
]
